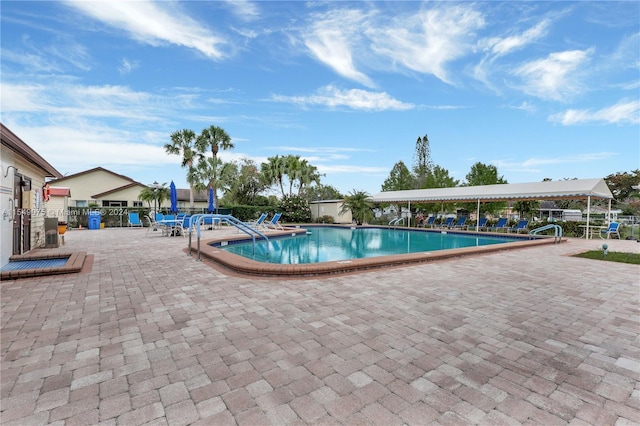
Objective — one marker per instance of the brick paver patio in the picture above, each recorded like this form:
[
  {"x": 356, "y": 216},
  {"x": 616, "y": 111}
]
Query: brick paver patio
[{"x": 151, "y": 336}]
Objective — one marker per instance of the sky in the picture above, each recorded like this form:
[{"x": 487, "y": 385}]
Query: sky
[{"x": 537, "y": 89}]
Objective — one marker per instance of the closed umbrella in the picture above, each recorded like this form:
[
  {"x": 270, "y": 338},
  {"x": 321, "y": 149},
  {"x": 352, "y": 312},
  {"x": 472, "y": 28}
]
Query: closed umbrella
[
  {"x": 173, "y": 195},
  {"x": 212, "y": 201}
]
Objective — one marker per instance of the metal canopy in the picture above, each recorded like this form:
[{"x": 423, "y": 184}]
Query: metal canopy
[{"x": 562, "y": 189}]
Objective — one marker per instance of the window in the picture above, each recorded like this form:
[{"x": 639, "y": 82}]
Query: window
[
  {"x": 138, "y": 204},
  {"x": 82, "y": 203},
  {"x": 112, "y": 203}
]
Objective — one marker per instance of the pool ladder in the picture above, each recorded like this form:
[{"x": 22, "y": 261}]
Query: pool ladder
[
  {"x": 198, "y": 219},
  {"x": 396, "y": 221},
  {"x": 557, "y": 231}
]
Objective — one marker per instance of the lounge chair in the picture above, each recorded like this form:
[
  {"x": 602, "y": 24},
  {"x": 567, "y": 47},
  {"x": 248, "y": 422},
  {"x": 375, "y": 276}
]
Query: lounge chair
[
  {"x": 521, "y": 226},
  {"x": 431, "y": 220},
  {"x": 274, "y": 223},
  {"x": 612, "y": 229},
  {"x": 134, "y": 219},
  {"x": 502, "y": 224},
  {"x": 447, "y": 224},
  {"x": 460, "y": 224},
  {"x": 257, "y": 223},
  {"x": 482, "y": 224}
]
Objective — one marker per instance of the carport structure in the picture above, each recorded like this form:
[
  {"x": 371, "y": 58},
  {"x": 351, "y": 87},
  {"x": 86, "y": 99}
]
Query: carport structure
[{"x": 577, "y": 189}]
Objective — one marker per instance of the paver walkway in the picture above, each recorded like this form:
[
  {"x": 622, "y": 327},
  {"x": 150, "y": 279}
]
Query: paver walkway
[{"x": 150, "y": 336}]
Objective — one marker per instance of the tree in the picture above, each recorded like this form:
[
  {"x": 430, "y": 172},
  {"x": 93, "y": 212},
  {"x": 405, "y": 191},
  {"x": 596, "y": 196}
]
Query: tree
[
  {"x": 214, "y": 138},
  {"x": 152, "y": 195},
  {"x": 526, "y": 208},
  {"x": 422, "y": 164},
  {"x": 360, "y": 206},
  {"x": 298, "y": 171},
  {"x": 622, "y": 184},
  {"x": 245, "y": 185},
  {"x": 183, "y": 143},
  {"x": 439, "y": 178},
  {"x": 321, "y": 192},
  {"x": 400, "y": 178},
  {"x": 273, "y": 171},
  {"x": 483, "y": 174}
]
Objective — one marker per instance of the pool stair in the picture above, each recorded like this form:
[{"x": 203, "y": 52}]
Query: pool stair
[
  {"x": 557, "y": 231},
  {"x": 196, "y": 221}
]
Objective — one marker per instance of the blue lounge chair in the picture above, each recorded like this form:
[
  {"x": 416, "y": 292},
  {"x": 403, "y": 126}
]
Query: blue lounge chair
[
  {"x": 482, "y": 224},
  {"x": 274, "y": 223},
  {"x": 612, "y": 229},
  {"x": 430, "y": 222},
  {"x": 257, "y": 223},
  {"x": 521, "y": 226},
  {"x": 502, "y": 224},
  {"x": 460, "y": 224},
  {"x": 134, "y": 219},
  {"x": 448, "y": 223}
]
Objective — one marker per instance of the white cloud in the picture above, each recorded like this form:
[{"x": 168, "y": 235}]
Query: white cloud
[
  {"x": 503, "y": 46},
  {"x": 126, "y": 66},
  {"x": 556, "y": 77},
  {"x": 154, "y": 23},
  {"x": 331, "y": 39},
  {"x": 244, "y": 9},
  {"x": 428, "y": 41},
  {"x": 354, "y": 98},
  {"x": 620, "y": 113}
]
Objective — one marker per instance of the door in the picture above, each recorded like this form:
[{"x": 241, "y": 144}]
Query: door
[{"x": 17, "y": 214}]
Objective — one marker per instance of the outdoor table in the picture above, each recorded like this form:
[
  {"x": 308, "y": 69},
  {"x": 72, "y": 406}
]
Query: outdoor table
[{"x": 592, "y": 230}]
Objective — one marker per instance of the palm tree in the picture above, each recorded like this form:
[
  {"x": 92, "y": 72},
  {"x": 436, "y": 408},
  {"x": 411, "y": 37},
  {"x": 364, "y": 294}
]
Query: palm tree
[
  {"x": 214, "y": 138},
  {"x": 183, "y": 143},
  {"x": 274, "y": 171},
  {"x": 359, "y": 205},
  {"x": 150, "y": 194}
]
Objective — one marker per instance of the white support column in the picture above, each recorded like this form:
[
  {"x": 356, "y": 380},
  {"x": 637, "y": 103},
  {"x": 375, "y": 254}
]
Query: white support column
[
  {"x": 478, "y": 216},
  {"x": 587, "y": 234}
]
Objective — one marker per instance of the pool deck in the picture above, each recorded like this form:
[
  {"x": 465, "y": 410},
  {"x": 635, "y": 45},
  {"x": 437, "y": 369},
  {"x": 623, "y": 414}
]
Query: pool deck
[{"x": 149, "y": 335}]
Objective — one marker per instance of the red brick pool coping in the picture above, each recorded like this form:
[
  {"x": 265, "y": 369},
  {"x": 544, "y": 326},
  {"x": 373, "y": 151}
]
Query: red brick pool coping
[
  {"x": 75, "y": 262},
  {"x": 245, "y": 266}
]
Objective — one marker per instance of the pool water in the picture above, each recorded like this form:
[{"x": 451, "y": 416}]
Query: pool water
[{"x": 324, "y": 244}]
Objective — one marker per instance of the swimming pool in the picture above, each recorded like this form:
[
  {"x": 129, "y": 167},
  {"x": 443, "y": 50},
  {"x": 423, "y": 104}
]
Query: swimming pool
[
  {"x": 214, "y": 249},
  {"x": 326, "y": 244}
]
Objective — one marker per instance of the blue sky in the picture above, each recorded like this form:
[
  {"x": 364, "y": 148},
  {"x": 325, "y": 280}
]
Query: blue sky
[{"x": 538, "y": 89}]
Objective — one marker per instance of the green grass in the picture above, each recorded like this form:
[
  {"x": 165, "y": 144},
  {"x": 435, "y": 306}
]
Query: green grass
[{"x": 612, "y": 256}]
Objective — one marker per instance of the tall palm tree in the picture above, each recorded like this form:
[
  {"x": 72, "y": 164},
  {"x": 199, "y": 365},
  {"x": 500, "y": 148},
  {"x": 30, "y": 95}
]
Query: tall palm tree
[
  {"x": 183, "y": 143},
  {"x": 359, "y": 205},
  {"x": 214, "y": 138},
  {"x": 274, "y": 171}
]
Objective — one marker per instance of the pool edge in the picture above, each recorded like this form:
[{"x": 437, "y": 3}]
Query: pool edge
[{"x": 244, "y": 266}]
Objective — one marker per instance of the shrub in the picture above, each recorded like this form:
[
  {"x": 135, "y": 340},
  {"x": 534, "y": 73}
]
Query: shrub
[
  {"x": 325, "y": 219},
  {"x": 295, "y": 209}
]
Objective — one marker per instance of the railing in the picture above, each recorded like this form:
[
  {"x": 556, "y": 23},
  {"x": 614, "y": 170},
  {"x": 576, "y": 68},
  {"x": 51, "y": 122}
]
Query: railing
[
  {"x": 196, "y": 221},
  {"x": 396, "y": 220},
  {"x": 557, "y": 231}
]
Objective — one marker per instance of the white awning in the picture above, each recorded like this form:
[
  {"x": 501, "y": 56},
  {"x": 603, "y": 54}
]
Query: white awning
[{"x": 560, "y": 189}]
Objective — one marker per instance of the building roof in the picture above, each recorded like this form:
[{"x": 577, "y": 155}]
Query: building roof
[
  {"x": 120, "y": 188},
  {"x": 17, "y": 145},
  {"x": 95, "y": 169},
  {"x": 560, "y": 189}
]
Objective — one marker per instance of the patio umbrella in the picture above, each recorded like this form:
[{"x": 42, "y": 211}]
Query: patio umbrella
[
  {"x": 173, "y": 195},
  {"x": 212, "y": 201}
]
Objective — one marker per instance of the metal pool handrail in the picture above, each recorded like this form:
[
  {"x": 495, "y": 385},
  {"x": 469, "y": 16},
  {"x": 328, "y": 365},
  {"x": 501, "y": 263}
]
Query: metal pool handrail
[
  {"x": 557, "y": 233},
  {"x": 196, "y": 221}
]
